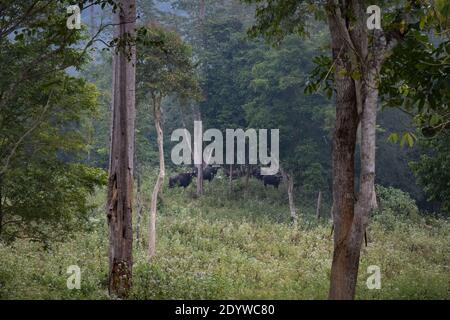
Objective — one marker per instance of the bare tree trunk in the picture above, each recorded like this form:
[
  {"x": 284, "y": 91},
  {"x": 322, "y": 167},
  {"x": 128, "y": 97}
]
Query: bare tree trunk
[
  {"x": 120, "y": 184},
  {"x": 367, "y": 200},
  {"x": 139, "y": 210},
  {"x": 159, "y": 180},
  {"x": 290, "y": 190},
  {"x": 319, "y": 200},
  {"x": 367, "y": 193}
]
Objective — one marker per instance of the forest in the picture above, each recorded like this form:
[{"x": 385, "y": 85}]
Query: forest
[{"x": 98, "y": 200}]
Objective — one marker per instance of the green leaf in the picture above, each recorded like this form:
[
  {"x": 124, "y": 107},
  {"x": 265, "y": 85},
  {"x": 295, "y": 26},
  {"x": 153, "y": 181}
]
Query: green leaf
[
  {"x": 423, "y": 21},
  {"x": 407, "y": 138},
  {"x": 393, "y": 137}
]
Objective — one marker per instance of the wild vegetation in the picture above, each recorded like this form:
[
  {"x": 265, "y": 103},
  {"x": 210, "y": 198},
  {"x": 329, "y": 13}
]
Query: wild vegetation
[
  {"x": 86, "y": 177},
  {"x": 238, "y": 246}
]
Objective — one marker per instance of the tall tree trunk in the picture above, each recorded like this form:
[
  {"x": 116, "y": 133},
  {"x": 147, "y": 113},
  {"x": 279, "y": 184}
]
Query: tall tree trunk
[
  {"x": 345, "y": 261},
  {"x": 120, "y": 184},
  {"x": 356, "y": 100},
  {"x": 159, "y": 180},
  {"x": 367, "y": 195}
]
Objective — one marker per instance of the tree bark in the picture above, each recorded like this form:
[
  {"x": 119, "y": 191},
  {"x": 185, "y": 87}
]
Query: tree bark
[
  {"x": 139, "y": 210},
  {"x": 319, "y": 200},
  {"x": 367, "y": 199},
  {"x": 159, "y": 180},
  {"x": 345, "y": 261},
  {"x": 356, "y": 102},
  {"x": 290, "y": 191},
  {"x": 120, "y": 183}
]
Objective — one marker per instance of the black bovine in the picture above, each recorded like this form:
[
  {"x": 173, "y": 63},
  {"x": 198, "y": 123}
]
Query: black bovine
[
  {"x": 208, "y": 173},
  {"x": 272, "y": 181},
  {"x": 181, "y": 180}
]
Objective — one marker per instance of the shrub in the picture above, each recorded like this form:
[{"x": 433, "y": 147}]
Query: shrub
[{"x": 396, "y": 202}]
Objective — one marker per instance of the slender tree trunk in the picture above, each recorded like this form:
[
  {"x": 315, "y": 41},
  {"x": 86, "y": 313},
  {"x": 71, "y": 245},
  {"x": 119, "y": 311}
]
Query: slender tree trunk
[
  {"x": 139, "y": 210},
  {"x": 356, "y": 100},
  {"x": 159, "y": 180},
  {"x": 199, "y": 179},
  {"x": 319, "y": 200},
  {"x": 120, "y": 184},
  {"x": 367, "y": 198},
  {"x": 290, "y": 191}
]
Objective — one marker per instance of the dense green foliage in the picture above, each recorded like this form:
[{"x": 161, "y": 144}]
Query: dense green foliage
[
  {"x": 276, "y": 84},
  {"x": 432, "y": 170},
  {"x": 236, "y": 246},
  {"x": 164, "y": 65},
  {"x": 197, "y": 56},
  {"x": 45, "y": 122}
]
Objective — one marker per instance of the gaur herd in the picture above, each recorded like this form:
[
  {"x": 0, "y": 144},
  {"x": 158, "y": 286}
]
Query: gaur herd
[{"x": 184, "y": 179}]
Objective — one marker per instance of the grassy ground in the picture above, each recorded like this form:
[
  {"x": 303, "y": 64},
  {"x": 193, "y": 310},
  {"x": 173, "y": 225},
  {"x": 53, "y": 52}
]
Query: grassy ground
[{"x": 235, "y": 245}]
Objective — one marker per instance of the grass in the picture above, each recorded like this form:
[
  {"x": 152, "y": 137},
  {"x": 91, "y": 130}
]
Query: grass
[{"x": 234, "y": 245}]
